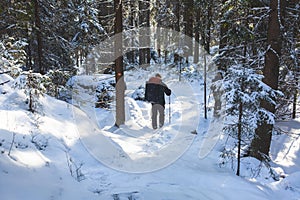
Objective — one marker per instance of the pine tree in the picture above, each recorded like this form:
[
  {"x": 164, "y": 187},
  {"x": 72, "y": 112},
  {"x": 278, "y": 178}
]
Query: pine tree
[
  {"x": 241, "y": 38},
  {"x": 244, "y": 90},
  {"x": 289, "y": 72},
  {"x": 55, "y": 81},
  {"x": 14, "y": 35},
  {"x": 33, "y": 86}
]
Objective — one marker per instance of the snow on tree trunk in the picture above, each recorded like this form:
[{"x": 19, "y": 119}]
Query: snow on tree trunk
[
  {"x": 120, "y": 84},
  {"x": 260, "y": 146}
]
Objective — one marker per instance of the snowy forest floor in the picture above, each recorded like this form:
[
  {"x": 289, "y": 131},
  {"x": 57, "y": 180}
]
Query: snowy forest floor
[{"x": 71, "y": 153}]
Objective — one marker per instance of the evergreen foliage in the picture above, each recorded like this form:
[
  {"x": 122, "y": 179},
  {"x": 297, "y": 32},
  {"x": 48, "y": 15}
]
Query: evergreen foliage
[
  {"x": 244, "y": 90},
  {"x": 33, "y": 86},
  {"x": 105, "y": 94}
]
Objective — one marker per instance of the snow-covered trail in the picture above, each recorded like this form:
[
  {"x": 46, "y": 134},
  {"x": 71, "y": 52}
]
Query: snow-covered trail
[
  {"x": 163, "y": 164},
  {"x": 134, "y": 147}
]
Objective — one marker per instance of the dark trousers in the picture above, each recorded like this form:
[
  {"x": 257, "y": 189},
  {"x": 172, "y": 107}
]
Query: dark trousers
[{"x": 158, "y": 111}]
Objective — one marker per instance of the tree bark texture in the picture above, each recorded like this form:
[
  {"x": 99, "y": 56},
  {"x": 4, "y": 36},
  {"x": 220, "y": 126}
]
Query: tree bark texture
[
  {"x": 260, "y": 146},
  {"x": 38, "y": 65},
  {"x": 120, "y": 84},
  {"x": 144, "y": 38},
  {"x": 188, "y": 27}
]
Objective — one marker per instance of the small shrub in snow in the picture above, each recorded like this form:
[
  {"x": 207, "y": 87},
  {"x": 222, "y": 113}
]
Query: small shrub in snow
[
  {"x": 253, "y": 169},
  {"x": 105, "y": 94},
  {"x": 190, "y": 72},
  {"x": 13, "y": 55},
  {"x": 56, "y": 81},
  {"x": 139, "y": 94},
  {"x": 33, "y": 86}
]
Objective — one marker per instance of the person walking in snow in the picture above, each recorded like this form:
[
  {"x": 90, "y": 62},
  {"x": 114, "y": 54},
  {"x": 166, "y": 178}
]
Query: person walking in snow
[{"x": 155, "y": 94}]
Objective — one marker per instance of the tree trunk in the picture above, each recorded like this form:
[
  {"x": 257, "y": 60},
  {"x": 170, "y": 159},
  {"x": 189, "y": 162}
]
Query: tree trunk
[
  {"x": 130, "y": 41},
  {"x": 260, "y": 145},
  {"x": 39, "y": 65},
  {"x": 29, "y": 53},
  {"x": 205, "y": 88},
  {"x": 239, "y": 136},
  {"x": 295, "y": 40},
  {"x": 223, "y": 43},
  {"x": 208, "y": 26},
  {"x": 177, "y": 14},
  {"x": 221, "y": 65},
  {"x": 144, "y": 38},
  {"x": 295, "y": 103},
  {"x": 158, "y": 41},
  {"x": 119, "y": 74},
  {"x": 188, "y": 27},
  {"x": 158, "y": 32},
  {"x": 197, "y": 36},
  {"x": 176, "y": 25},
  {"x": 148, "y": 55}
]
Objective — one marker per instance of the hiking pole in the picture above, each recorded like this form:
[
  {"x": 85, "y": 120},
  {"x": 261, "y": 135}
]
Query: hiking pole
[{"x": 170, "y": 109}]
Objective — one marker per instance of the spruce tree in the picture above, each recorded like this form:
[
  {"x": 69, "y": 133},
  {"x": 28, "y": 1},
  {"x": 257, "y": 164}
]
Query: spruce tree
[{"x": 244, "y": 90}]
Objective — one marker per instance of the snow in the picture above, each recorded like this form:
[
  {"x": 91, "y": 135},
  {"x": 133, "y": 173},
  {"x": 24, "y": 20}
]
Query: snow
[
  {"x": 288, "y": 145},
  {"x": 74, "y": 152}
]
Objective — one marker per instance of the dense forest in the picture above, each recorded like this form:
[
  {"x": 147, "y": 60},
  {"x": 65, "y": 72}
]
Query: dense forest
[{"x": 255, "y": 46}]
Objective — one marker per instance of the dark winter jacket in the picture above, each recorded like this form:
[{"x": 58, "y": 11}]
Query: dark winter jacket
[{"x": 156, "y": 90}]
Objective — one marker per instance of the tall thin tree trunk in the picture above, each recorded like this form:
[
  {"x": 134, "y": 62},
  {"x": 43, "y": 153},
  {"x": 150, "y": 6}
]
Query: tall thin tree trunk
[
  {"x": 158, "y": 41},
  {"x": 223, "y": 43},
  {"x": 39, "y": 63},
  {"x": 208, "y": 27},
  {"x": 29, "y": 46},
  {"x": 177, "y": 14},
  {"x": 158, "y": 32},
  {"x": 240, "y": 125},
  {"x": 239, "y": 137},
  {"x": 176, "y": 25},
  {"x": 295, "y": 102},
  {"x": 148, "y": 55},
  {"x": 295, "y": 30},
  {"x": 120, "y": 84},
  {"x": 144, "y": 38},
  {"x": 188, "y": 27},
  {"x": 260, "y": 145},
  {"x": 197, "y": 36},
  {"x": 130, "y": 41},
  {"x": 205, "y": 88}
]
